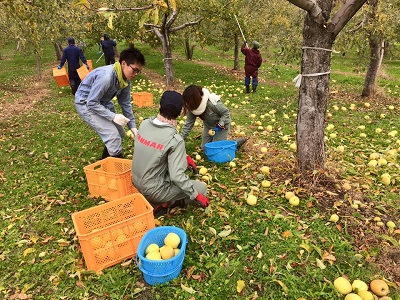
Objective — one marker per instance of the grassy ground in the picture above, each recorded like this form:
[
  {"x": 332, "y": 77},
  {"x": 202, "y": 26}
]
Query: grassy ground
[{"x": 274, "y": 250}]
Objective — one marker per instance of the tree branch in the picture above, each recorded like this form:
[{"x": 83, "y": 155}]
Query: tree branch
[
  {"x": 185, "y": 25},
  {"x": 172, "y": 19},
  {"x": 106, "y": 9},
  {"x": 344, "y": 15},
  {"x": 312, "y": 8}
]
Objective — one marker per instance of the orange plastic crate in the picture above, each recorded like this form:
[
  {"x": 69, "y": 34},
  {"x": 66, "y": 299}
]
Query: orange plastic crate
[
  {"x": 110, "y": 233},
  {"x": 110, "y": 178},
  {"x": 83, "y": 71},
  {"x": 142, "y": 99},
  {"x": 61, "y": 76}
]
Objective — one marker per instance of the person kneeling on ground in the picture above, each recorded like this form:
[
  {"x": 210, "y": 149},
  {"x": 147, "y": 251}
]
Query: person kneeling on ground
[
  {"x": 160, "y": 160},
  {"x": 199, "y": 102}
]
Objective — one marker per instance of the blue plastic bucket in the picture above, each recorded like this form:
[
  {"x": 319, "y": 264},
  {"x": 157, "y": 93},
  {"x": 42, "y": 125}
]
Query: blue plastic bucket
[
  {"x": 160, "y": 271},
  {"x": 221, "y": 151}
]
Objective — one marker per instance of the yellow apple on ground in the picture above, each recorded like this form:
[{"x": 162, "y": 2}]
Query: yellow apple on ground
[
  {"x": 167, "y": 252},
  {"x": 382, "y": 162},
  {"x": 366, "y": 295},
  {"x": 359, "y": 285},
  {"x": 342, "y": 285},
  {"x": 172, "y": 239},
  {"x": 374, "y": 156},
  {"x": 267, "y": 183},
  {"x": 294, "y": 201},
  {"x": 289, "y": 195},
  {"x": 379, "y": 287},
  {"x": 391, "y": 225},
  {"x": 152, "y": 248},
  {"x": 203, "y": 171},
  {"x": 252, "y": 116},
  {"x": 352, "y": 296},
  {"x": 265, "y": 170},
  {"x": 233, "y": 123},
  {"x": 154, "y": 256},
  {"x": 346, "y": 186},
  {"x": 377, "y": 219},
  {"x": 232, "y": 164},
  {"x": 293, "y": 146},
  {"x": 385, "y": 177},
  {"x": 372, "y": 163},
  {"x": 334, "y": 218},
  {"x": 251, "y": 200},
  {"x": 198, "y": 157},
  {"x": 264, "y": 150}
]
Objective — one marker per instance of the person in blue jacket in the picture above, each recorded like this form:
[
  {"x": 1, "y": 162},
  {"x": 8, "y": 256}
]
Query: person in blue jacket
[
  {"x": 94, "y": 100},
  {"x": 107, "y": 46},
  {"x": 72, "y": 54}
]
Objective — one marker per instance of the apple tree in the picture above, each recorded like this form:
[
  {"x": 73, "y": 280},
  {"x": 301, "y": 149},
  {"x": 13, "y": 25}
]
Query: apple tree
[{"x": 322, "y": 24}]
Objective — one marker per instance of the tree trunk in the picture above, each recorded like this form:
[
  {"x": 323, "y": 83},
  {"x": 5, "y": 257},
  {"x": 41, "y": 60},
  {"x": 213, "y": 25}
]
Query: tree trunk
[
  {"x": 188, "y": 48},
  {"x": 58, "y": 51},
  {"x": 375, "y": 58},
  {"x": 38, "y": 70},
  {"x": 236, "y": 53},
  {"x": 313, "y": 95},
  {"x": 169, "y": 72}
]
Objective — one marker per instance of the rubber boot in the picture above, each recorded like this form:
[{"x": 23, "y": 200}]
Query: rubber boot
[
  {"x": 119, "y": 155},
  {"x": 254, "y": 88},
  {"x": 240, "y": 142},
  {"x": 105, "y": 153},
  {"x": 247, "y": 89},
  {"x": 73, "y": 89}
]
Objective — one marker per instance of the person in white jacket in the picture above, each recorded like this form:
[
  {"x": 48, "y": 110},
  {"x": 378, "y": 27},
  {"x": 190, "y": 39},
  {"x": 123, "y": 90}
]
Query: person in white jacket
[
  {"x": 160, "y": 160},
  {"x": 200, "y": 102}
]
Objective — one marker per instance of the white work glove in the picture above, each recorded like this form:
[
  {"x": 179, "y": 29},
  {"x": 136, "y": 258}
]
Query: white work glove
[
  {"x": 135, "y": 131},
  {"x": 120, "y": 120}
]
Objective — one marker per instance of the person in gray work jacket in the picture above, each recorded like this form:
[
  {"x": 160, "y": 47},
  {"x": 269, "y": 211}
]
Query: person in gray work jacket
[
  {"x": 160, "y": 160},
  {"x": 199, "y": 102},
  {"x": 93, "y": 100}
]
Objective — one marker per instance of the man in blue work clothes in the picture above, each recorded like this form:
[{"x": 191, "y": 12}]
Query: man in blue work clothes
[
  {"x": 72, "y": 54},
  {"x": 108, "y": 45},
  {"x": 94, "y": 100}
]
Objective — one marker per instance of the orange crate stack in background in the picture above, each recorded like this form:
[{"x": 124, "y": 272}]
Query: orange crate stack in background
[
  {"x": 61, "y": 76},
  {"x": 111, "y": 232},
  {"x": 142, "y": 99},
  {"x": 110, "y": 178}
]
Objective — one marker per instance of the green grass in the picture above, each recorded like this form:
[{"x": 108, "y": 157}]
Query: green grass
[{"x": 279, "y": 251}]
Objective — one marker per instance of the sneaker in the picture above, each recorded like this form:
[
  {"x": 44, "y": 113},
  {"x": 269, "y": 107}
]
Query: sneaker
[{"x": 240, "y": 142}]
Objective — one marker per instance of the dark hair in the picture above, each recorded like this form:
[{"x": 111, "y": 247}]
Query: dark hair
[
  {"x": 170, "y": 112},
  {"x": 132, "y": 56},
  {"x": 71, "y": 41},
  {"x": 106, "y": 36},
  {"x": 192, "y": 97}
]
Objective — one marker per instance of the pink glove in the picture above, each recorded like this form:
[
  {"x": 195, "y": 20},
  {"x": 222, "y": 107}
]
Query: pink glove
[{"x": 202, "y": 200}]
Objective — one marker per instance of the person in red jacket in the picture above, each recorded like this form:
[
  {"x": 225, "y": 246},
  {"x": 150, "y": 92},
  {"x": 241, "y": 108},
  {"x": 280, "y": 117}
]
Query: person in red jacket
[{"x": 252, "y": 62}]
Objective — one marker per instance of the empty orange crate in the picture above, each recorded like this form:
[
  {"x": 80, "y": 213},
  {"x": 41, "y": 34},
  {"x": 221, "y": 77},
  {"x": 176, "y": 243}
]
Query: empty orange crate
[
  {"x": 83, "y": 71},
  {"x": 142, "y": 99},
  {"x": 110, "y": 233},
  {"x": 110, "y": 178},
  {"x": 61, "y": 76}
]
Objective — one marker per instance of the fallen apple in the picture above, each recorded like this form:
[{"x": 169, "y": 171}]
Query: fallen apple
[
  {"x": 251, "y": 200},
  {"x": 334, "y": 218},
  {"x": 289, "y": 195},
  {"x": 379, "y": 287},
  {"x": 359, "y": 285},
  {"x": 267, "y": 183},
  {"x": 294, "y": 201},
  {"x": 203, "y": 171},
  {"x": 352, "y": 296},
  {"x": 342, "y": 285},
  {"x": 385, "y": 177},
  {"x": 265, "y": 170},
  {"x": 232, "y": 164},
  {"x": 391, "y": 225},
  {"x": 366, "y": 295}
]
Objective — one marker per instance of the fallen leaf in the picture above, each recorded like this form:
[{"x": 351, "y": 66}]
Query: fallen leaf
[
  {"x": 28, "y": 251},
  {"x": 225, "y": 233},
  {"x": 188, "y": 289},
  {"x": 287, "y": 234},
  {"x": 284, "y": 287},
  {"x": 320, "y": 264},
  {"x": 240, "y": 286}
]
